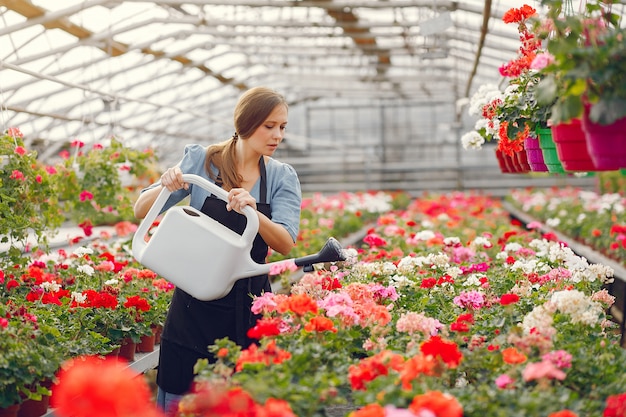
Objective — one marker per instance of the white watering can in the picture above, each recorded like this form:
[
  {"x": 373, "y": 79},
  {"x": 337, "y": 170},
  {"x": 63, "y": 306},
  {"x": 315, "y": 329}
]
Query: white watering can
[{"x": 200, "y": 255}]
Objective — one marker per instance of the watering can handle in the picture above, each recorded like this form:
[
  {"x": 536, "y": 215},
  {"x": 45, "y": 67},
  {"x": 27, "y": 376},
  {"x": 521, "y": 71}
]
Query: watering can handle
[{"x": 248, "y": 235}]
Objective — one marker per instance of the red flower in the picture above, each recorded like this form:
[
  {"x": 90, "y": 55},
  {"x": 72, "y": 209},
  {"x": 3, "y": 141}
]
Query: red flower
[
  {"x": 438, "y": 403},
  {"x": 20, "y": 150},
  {"x": 448, "y": 351},
  {"x": 17, "y": 175},
  {"x": 507, "y": 299},
  {"x": 615, "y": 406},
  {"x": 513, "y": 356},
  {"x": 320, "y": 324},
  {"x": 116, "y": 392},
  {"x": 135, "y": 301},
  {"x": 299, "y": 304},
  {"x": 265, "y": 327}
]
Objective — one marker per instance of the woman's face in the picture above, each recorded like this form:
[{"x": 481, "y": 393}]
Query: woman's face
[{"x": 270, "y": 133}]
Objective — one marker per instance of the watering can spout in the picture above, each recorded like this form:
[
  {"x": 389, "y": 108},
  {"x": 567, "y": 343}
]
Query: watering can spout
[{"x": 330, "y": 252}]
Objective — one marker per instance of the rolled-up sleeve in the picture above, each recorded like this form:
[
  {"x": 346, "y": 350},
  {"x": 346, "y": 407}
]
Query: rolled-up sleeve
[{"x": 286, "y": 199}]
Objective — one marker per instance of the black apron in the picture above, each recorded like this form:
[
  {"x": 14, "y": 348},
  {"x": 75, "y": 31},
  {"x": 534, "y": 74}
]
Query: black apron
[{"x": 192, "y": 325}]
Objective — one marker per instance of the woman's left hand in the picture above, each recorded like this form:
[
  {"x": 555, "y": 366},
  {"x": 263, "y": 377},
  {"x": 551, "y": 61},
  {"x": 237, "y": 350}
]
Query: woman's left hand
[{"x": 238, "y": 198}]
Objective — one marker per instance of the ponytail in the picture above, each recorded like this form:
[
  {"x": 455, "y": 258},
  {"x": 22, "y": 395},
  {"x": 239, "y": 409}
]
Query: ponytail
[{"x": 223, "y": 156}]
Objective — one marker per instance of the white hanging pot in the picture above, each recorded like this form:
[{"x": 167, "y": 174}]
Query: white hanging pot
[{"x": 202, "y": 256}]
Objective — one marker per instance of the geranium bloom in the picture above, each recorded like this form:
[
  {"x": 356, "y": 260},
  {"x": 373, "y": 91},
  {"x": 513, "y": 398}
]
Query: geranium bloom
[
  {"x": 85, "y": 196},
  {"x": 615, "y": 406},
  {"x": 543, "y": 369},
  {"x": 320, "y": 324},
  {"x": 299, "y": 304},
  {"x": 20, "y": 150},
  {"x": 512, "y": 356},
  {"x": 17, "y": 175},
  {"x": 116, "y": 392},
  {"x": 266, "y": 355},
  {"x": 448, "y": 351},
  {"x": 14, "y": 132},
  {"x": 504, "y": 381},
  {"x": 507, "y": 299},
  {"x": 563, "y": 413},
  {"x": 439, "y": 404}
]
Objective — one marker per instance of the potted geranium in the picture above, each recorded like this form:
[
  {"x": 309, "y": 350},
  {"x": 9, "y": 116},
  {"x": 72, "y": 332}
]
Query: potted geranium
[
  {"x": 587, "y": 79},
  {"x": 510, "y": 115},
  {"x": 28, "y": 202}
]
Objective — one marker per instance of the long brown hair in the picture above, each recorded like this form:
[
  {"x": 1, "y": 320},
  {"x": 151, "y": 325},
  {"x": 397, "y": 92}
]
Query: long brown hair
[{"x": 252, "y": 109}]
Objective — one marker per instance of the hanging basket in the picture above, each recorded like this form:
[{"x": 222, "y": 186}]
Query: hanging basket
[
  {"x": 534, "y": 154},
  {"x": 606, "y": 143},
  {"x": 548, "y": 149},
  {"x": 571, "y": 146}
]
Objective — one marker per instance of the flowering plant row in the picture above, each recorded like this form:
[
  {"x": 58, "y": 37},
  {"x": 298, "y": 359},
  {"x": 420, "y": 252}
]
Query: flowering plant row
[
  {"x": 86, "y": 187},
  {"x": 446, "y": 309},
  {"x": 596, "y": 220},
  {"x": 55, "y": 306}
]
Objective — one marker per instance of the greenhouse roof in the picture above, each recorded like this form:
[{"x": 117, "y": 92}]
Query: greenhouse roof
[{"x": 160, "y": 72}]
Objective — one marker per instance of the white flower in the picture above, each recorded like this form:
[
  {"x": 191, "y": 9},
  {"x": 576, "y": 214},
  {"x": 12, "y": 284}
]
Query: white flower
[
  {"x": 472, "y": 140},
  {"x": 83, "y": 251},
  {"x": 553, "y": 222},
  {"x": 424, "y": 235},
  {"x": 50, "y": 286},
  {"x": 578, "y": 306},
  {"x": 86, "y": 269},
  {"x": 78, "y": 297},
  {"x": 112, "y": 281}
]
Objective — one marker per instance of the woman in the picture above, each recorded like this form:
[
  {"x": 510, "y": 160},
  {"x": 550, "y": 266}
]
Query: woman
[{"x": 242, "y": 166}]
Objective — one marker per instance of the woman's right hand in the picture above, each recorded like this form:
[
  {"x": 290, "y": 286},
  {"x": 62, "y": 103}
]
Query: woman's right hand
[{"x": 172, "y": 179}]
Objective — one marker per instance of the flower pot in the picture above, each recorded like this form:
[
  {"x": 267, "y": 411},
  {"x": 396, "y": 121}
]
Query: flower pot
[
  {"x": 606, "y": 143},
  {"x": 548, "y": 149},
  {"x": 10, "y": 411},
  {"x": 534, "y": 154},
  {"x": 114, "y": 353},
  {"x": 127, "y": 349},
  {"x": 146, "y": 344},
  {"x": 522, "y": 161},
  {"x": 502, "y": 162},
  {"x": 34, "y": 408},
  {"x": 571, "y": 146}
]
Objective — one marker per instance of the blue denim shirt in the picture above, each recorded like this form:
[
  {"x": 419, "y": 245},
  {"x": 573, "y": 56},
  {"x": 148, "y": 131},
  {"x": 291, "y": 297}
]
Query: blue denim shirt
[{"x": 283, "y": 188}]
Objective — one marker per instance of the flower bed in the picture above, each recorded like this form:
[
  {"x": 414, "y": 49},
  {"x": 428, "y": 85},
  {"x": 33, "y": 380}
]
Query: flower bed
[
  {"x": 449, "y": 310},
  {"x": 596, "y": 220},
  {"x": 446, "y": 308}
]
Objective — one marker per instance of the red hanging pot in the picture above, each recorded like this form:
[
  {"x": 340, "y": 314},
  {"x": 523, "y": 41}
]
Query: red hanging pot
[
  {"x": 606, "y": 143},
  {"x": 571, "y": 146}
]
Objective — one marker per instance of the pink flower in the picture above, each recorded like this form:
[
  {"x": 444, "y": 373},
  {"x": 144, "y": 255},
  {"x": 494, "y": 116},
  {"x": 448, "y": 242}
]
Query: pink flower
[
  {"x": 51, "y": 170},
  {"x": 543, "y": 369},
  {"x": 541, "y": 61},
  {"x": 20, "y": 150},
  {"x": 4, "y": 323},
  {"x": 86, "y": 195},
  {"x": 17, "y": 175},
  {"x": 560, "y": 358},
  {"x": 473, "y": 299},
  {"x": 504, "y": 381},
  {"x": 39, "y": 179},
  {"x": 14, "y": 132},
  {"x": 77, "y": 144},
  {"x": 97, "y": 146}
]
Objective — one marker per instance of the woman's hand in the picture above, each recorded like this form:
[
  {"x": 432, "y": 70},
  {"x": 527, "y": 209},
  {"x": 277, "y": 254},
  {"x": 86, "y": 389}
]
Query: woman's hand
[
  {"x": 172, "y": 179},
  {"x": 238, "y": 198}
]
